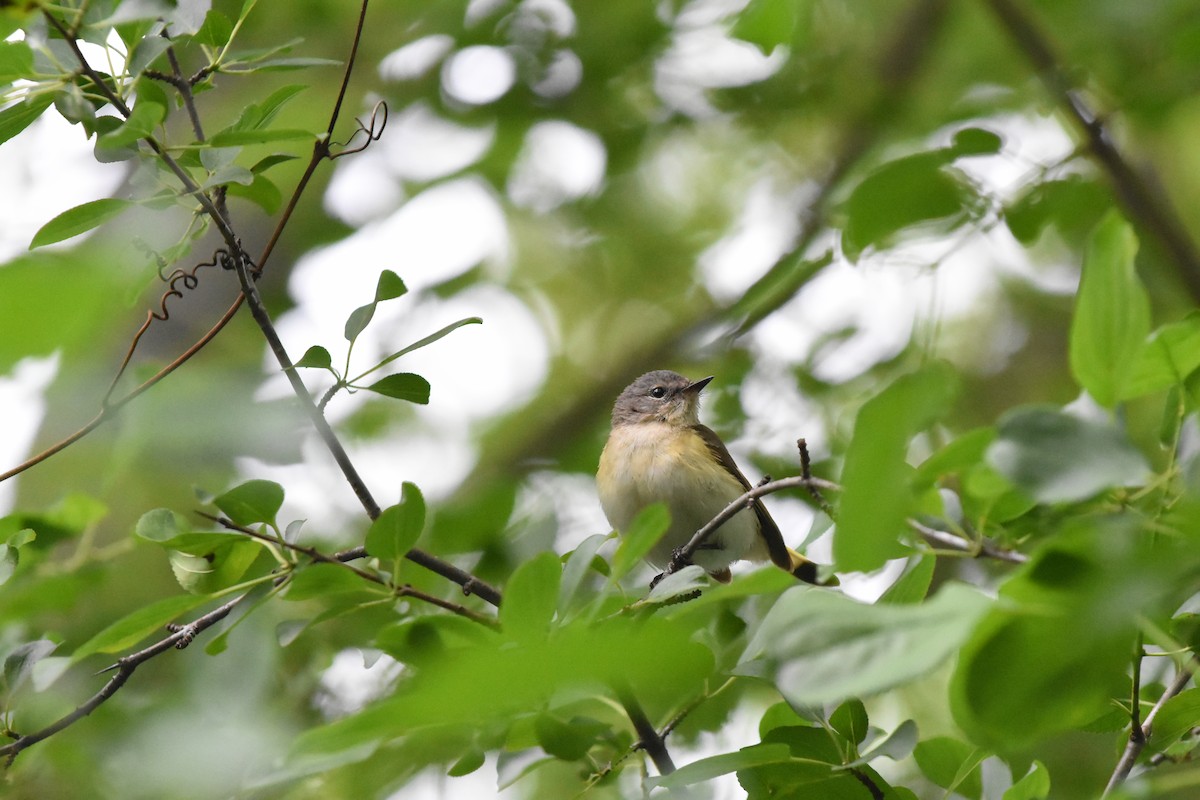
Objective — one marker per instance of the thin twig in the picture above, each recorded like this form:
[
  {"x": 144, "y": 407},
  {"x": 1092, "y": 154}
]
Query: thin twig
[
  {"x": 1137, "y": 192},
  {"x": 1140, "y": 736},
  {"x": 682, "y": 557},
  {"x": 124, "y": 669},
  {"x": 980, "y": 548},
  {"x": 470, "y": 583},
  {"x": 316, "y": 555}
]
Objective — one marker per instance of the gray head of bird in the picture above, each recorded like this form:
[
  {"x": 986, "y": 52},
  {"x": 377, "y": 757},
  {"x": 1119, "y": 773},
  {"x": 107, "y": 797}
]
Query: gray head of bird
[{"x": 660, "y": 396}]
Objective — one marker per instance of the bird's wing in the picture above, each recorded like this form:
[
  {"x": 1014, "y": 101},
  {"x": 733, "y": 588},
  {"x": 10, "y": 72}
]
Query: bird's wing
[{"x": 780, "y": 555}]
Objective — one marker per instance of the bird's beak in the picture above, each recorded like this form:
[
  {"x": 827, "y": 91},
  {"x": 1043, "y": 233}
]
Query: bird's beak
[{"x": 694, "y": 388}]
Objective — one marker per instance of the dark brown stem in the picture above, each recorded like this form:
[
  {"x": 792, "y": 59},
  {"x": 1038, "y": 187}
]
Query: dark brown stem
[
  {"x": 1137, "y": 191},
  {"x": 124, "y": 669},
  {"x": 648, "y": 737}
]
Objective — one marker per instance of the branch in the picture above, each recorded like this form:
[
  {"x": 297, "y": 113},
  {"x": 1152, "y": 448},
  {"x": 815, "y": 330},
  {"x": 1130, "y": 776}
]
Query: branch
[
  {"x": 467, "y": 581},
  {"x": 682, "y": 557},
  {"x": 1137, "y": 192},
  {"x": 320, "y": 152},
  {"x": 648, "y": 737},
  {"x": 125, "y": 667},
  {"x": 1139, "y": 736},
  {"x": 324, "y": 558}
]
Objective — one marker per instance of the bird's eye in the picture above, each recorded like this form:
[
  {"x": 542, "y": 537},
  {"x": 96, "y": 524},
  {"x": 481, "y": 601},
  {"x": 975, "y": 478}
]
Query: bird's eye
[{"x": 658, "y": 391}]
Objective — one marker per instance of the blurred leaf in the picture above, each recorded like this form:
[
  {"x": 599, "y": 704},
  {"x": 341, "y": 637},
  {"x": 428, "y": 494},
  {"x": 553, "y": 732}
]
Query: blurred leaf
[
  {"x": 1167, "y": 358},
  {"x": 323, "y": 580},
  {"x": 1112, "y": 313},
  {"x": 913, "y": 585},
  {"x": 1178, "y": 716},
  {"x": 1035, "y": 785},
  {"x": 920, "y": 189},
  {"x": 16, "y": 61},
  {"x": 470, "y": 761},
  {"x": 897, "y": 745},
  {"x": 252, "y": 502},
  {"x": 249, "y": 137},
  {"x": 1089, "y": 584},
  {"x": 1073, "y": 205},
  {"x": 976, "y": 142},
  {"x": 705, "y": 769},
  {"x": 659, "y": 662},
  {"x": 403, "y": 386},
  {"x": 568, "y": 741},
  {"x": 1056, "y": 457},
  {"x": 959, "y": 455},
  {"x": 132, "y": 628},
  {"x": 576, "y": 569},
  {"x": 20, "y": 661},
  {"x": 644, "y": 532},
  {"x": 821, "y": 647},
  {"x": 20, "y": 116},
  {"x": 877, "y": 497},
  {"x": 952, "y": 764},
  {"x": 766, "y": 23},
  {"x": 206, "y": 570},
  {"x": 530, "y": 597},
  {"x": 77, "y": 220},
  {"x": 688, "y": 580}
]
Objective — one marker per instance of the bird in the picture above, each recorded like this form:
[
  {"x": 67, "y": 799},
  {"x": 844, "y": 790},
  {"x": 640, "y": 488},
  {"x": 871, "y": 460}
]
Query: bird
[{"x": 659, "y": 452}]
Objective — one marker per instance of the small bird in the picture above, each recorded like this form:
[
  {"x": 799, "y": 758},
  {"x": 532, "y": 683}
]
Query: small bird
[{"x": 658, "y": 452}]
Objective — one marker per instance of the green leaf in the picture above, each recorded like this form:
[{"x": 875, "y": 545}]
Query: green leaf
[
  {"x": 143, "y": 119},
  {"x": 213, "y": 566},
  {"x": 20, "y": 116},
  {"x": 976, "y": 142},
  {"x": 216, "y": 30},
  {"x": 705, "y": 769},
  {"x": 132, "y": 628},
  {"x": 1073, "y": 205},
  {"x": 951, "y": 764},
  {"x": 767, "y": 23},
  {"x": 877, "y": 496},
  {"x": 252, "y": 502},
  {"x": 897, "y": 745},
  {"x": 1178, "y": 716},
  {"x": 916, "y": 190},
  {"x": 809, "y": 636},
  {"x": 531, "y": 597},
  {"x": 160, "y": 526},
  {"x": 388, "y": 287},
  {"x": 316, "y": 357},
  {"x": 398, "y": 527},
  {"x": 323, "y": 580},
  {"x": 644, "y": 532},
  {"x": 1089, "y": 584},
  {"x": 1056, "y": 457},
  {"x": 403, "y": 386},
  {"x": 688, "y": 580},
  {"x": 850, "y": 720},
  {"x": 913, "y": 585},
  {"x": 567, "y": 740},
  {"x": 428, "y": 340},
  {"x": 1167, "y": 358},
  {"x": 1112, "y": 313},
  {"x": 469, "y": 762},
  {"x": 77, "y": 220},
  {"x": 1034, "y": 786},
  {"x": 578, "y": 565},
  {"x": 16, "y": 61}
]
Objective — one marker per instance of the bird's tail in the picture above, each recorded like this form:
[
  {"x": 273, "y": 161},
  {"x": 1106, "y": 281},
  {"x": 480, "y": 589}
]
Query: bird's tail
[{"x": 806, "y": 570}]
